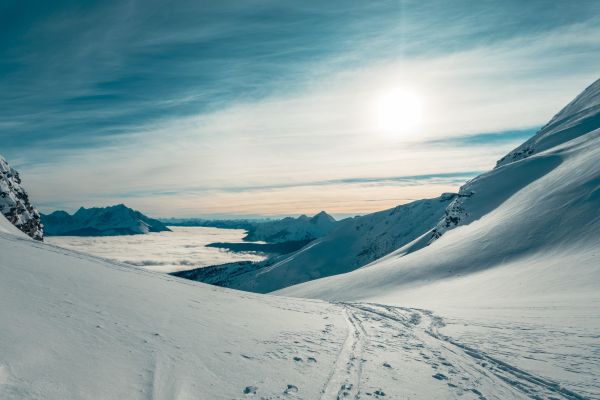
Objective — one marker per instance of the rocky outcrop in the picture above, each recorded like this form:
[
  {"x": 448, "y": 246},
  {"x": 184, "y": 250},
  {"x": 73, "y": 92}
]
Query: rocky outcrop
[{"x": 15, "y": 205}]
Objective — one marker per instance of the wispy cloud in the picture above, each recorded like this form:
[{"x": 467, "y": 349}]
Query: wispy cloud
[
  {"x": 118, "y": 99},
  {"x": 487, "y": 138}
]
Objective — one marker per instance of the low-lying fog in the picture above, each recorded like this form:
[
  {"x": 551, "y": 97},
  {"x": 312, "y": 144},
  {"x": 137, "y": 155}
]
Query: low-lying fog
[{"x": 183, "y": 248}]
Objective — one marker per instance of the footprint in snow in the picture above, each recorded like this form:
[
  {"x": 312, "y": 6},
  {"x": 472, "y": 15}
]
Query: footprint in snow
[
  {"x": 250, "y": 390},
  {"x": 311, "y": 360},
  {"x": 291, "y": 389},
  {"x": 440, "y": 377},
  {"x": 298, "y": 359}
]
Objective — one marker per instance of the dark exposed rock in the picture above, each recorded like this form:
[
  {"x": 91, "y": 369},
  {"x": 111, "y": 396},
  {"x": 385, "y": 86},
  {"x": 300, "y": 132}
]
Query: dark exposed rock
[{"x": 15, "y": 205}]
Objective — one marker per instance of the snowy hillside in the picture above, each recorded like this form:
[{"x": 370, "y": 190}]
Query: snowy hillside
[
  {"x": 84, "y": 328},
  {"x": 352, "y": 244},
  {"x": 292, "y": 229},
  {"x": 521, "y": 249},
  {"x": 15, "y": 205},
  {"x": 101, "y": 221}
]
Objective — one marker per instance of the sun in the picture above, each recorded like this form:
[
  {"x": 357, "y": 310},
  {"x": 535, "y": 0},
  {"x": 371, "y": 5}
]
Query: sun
[{"x": 398, "y": 111}]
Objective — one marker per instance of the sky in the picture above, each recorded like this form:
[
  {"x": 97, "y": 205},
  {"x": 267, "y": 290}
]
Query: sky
[{"x": 269, "y": 108}]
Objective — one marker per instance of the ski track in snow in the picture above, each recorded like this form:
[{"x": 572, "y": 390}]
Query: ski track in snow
[
  {"x": 344, "y": 379},
  {"x": 405, "y": 336}
]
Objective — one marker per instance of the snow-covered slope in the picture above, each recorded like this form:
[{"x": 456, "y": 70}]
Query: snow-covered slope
[
  {"x": 15, "y": 205},
  {"x": 524, "y": 237},
  {"x": 292, "y": 229},
  {"x": 354, "y": 243},
  {"x": 76, "y": 327},
  {"x": 101, "y": 221}
]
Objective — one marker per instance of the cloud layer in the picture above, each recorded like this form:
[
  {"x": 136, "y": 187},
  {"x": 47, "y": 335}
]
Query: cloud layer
[{"x": 266, "y": 107}]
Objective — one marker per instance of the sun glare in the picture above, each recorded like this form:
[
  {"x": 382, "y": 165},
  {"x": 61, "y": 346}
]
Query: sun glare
[{"x": 399, "y": 111}]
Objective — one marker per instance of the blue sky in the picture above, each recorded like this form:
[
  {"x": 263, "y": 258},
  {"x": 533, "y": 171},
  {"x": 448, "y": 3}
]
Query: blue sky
[{"x": 224, "y": 108}]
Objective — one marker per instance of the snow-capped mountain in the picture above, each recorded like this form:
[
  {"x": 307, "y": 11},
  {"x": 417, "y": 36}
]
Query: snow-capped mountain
[
  {"x": 353, "y": 243},
  {"x": 101, "y": 221},
  {"x": 292, "y": 229},
  {"x": 15, "y": 205},
  {"x": 522, "y": 242}
]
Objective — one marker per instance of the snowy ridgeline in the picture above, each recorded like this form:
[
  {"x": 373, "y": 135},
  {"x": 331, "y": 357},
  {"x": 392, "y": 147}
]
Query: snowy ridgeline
[
  {"x": 353, "y": 243},
  {"x": 15, "y": 205},
  {"x": 101, "y": 221}
]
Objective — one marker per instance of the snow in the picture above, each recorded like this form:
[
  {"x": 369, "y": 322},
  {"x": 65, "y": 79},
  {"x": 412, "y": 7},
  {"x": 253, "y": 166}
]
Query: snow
[
  {"x": 353, "y": 243},
  {"x": 7, "y": 227},
  {"x": 76, "y": 327},
  {"x": 84, "y": 328},
  {"x": 523, "y": 254}
]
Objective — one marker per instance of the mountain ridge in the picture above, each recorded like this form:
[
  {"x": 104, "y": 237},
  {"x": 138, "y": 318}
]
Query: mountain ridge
[{"x": 101, "y": 221}]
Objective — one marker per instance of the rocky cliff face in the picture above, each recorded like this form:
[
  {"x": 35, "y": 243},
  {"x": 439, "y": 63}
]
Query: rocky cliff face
[{"x": 15, "y": 205}]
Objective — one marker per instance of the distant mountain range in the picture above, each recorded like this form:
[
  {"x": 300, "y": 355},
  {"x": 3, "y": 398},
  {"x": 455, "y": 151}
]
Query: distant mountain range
[
  {"x": 292, "y": 229},
  {"x": 100, "y": 221},
  {"x": 347, "y": 245},
  {"x": 289, "y": 229}
]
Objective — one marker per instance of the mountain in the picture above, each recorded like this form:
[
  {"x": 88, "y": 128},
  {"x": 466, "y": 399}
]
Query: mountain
[
  {"x": 245, "y": 224},
  {"x": 15, "y": 205},
  {"x": 353, "y": 243},
  {"x": 503, "y": 304},
  {"x": 101, "y": 221},
  {"x": 538, "y": 206},
  {"x": 520, "y": 249},
  {"x": 292, "y": 229}
]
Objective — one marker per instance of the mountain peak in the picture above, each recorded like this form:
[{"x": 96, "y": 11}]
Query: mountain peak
[{"x": 322, "y": 216}]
